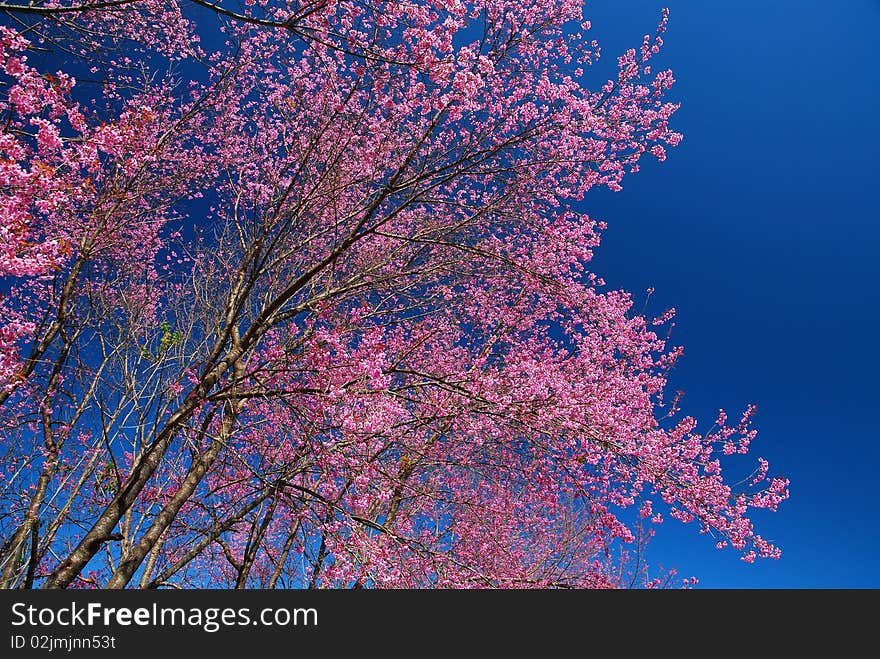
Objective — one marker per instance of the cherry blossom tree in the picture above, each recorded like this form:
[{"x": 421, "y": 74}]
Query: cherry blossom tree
[{"x": 297, "y": 295}]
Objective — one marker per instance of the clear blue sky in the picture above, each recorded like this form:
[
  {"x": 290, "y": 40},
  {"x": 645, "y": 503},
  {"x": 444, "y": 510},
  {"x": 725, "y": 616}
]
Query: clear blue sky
[{"x": 762, "y": 230}]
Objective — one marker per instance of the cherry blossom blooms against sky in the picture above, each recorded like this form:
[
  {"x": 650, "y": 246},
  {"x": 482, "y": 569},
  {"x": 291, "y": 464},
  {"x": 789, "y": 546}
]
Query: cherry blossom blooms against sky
[
  {"x": 762, "y": 230},
  {"x": 383, "y": 324}
]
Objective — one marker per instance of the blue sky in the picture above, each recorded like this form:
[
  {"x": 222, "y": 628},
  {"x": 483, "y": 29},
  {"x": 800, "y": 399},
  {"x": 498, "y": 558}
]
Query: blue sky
[{"x": 761, "y": 229}]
